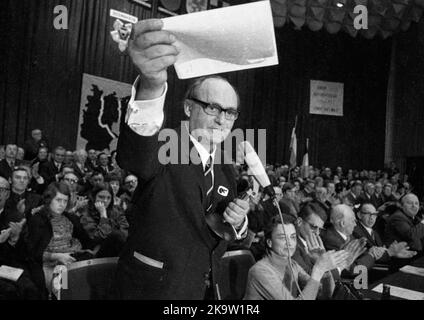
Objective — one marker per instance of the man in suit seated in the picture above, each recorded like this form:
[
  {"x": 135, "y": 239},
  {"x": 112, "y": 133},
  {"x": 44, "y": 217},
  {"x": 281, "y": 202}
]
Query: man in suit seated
[
  {"x": 21, "y": 201},
  {"x": 405, "y": 225},
  {"x": 343, "y": 222},
  {"x": 352, "y": 198},
  {"x": 9, "y": 162},
  {"x": 368, "y": 196},
  {"x": 104, "y": 164},
  {"x": 50, "y": 170},
  {"x": 288, "y": 202},
  {"x": 367, "y": 216}
]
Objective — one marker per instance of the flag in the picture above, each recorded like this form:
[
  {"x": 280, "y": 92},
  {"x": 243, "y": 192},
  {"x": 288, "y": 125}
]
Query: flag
[
  {"x": 305, "y": 162},
  {"x": 293, "y": 147}
]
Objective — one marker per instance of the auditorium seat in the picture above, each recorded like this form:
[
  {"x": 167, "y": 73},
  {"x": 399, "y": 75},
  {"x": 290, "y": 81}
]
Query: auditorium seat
[
  {"x": 234, "y": 269},
  {"x": 88, "y": 280}
]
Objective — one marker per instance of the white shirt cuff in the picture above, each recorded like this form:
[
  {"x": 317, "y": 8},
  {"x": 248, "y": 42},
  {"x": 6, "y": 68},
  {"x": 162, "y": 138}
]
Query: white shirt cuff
[
  {"x": 145, "y": 117},
  {"x": 242, "y": 233}
]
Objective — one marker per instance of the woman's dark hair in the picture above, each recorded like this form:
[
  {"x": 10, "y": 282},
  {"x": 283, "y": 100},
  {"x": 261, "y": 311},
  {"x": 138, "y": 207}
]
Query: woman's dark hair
[
  {"x": 101, "y": 187},
  {"x": 53, "y": 189}
]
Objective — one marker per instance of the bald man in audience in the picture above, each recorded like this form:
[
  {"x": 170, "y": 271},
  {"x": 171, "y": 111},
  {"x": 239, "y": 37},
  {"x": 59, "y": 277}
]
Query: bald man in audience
[
  {"x": 343, "y": 222},
  {"x": 367, "y": 216},
  {"x": 405, "y": 225}
]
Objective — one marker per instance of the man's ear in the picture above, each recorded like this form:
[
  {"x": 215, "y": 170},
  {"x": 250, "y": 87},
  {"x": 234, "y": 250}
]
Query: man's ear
[
  {"x": 269, "y": 243},
  {"x": 187, "y": 109}
]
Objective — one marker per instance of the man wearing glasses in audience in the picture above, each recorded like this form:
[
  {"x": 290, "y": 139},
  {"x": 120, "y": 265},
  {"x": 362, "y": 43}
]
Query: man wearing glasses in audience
[{"x": 367, "y": 217}]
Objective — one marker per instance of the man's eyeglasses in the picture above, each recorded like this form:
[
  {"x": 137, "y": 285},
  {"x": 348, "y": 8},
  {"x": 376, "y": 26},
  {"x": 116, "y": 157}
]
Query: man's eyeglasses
[
  {"x": 314, "y": 227},
  {"x": 4, "y": 190},
  {"x": 214, "y": 109},
  {"x": 375, "y": 214},
  {"x": 131, "y": 182}
]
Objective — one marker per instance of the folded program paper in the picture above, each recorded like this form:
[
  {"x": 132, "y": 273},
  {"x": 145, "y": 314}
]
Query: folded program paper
[
  {"x": 222, "y": 40},
  {"x": 413, "y": 270},
  {"x": 401, "y": 292}
]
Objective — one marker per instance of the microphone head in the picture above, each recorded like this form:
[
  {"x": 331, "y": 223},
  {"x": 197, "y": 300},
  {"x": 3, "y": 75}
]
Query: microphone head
[{"x": 254, "y": 163}]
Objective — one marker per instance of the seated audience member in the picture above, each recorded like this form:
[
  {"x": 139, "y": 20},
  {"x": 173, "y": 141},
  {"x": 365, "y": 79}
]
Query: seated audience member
[
  {"x": 50, "y": 170},
  {"x": 378, "y": 193},
  {"x": 21, "y": 201},
  {"x": 274, "y": 277},
  {"x": 104, "y": 222},
  {"x": 353, "y": 197},
  {"x": 9, "y": 162},
  {"x": 130, "y": 184},
  {"x": 20, "y": 155},
  {"x": 387, "y": 194},
  {"x": 104, "y": 166},
  {"x": 335, "y": 237},
  {"x": 69, "y": 158},
  {"x": 91, "y": 162},
  {"x": 308, "y": 192},
  {"x": 321, "y": 200},
  {"x": 80, "y": 167},
  {"x": 42, "y": 156},
  {"x": 54, "y": 235},
  {"x": 404, "y": 224},
  {"x": 13, "y": 253},
  {"x": 33, "y": 144},
  {"x": 331, "y": 194},
  {"x": 288, "y": 202},
  {"x": 367, "y": 216},
  {"x": 75, "y": 202},
  {"x": 368, "y": 196},
  {"x": 115, "y": 183}
]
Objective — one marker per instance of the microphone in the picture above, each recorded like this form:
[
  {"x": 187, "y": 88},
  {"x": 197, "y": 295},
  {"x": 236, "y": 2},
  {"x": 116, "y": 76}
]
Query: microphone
[{"x": 256, "y": 167}]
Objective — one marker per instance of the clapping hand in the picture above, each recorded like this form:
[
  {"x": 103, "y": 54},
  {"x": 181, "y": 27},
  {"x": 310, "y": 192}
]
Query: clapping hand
[
  {"x": 20, "y": 206},
  {"x": 400, "y": 250},
  {"x": 315, "y": 246},
  {"x": 4, "y": 235},
  {"x": 16, "y": 229},
  {"x": 377, "y": 252},
  {"x": 331, "y": 260},
  {"x": 355, "y": 248}
]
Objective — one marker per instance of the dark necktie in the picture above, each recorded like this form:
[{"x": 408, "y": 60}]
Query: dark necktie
[{"x": 209, "y": 182}]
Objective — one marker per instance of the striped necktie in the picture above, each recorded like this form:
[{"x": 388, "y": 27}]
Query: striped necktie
[{"x": 209, "y": 182}]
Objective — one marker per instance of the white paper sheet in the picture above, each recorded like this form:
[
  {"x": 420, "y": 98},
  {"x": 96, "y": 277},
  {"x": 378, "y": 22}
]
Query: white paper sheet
[
  {"x": 10, "y": 273},
  {"x": 222, "y": 40},
  {"x": 401, "y": 292},
  {"x": 413, "y": 270}
]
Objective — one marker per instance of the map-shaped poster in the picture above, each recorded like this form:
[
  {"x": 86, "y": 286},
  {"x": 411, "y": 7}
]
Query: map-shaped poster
[{"x": 103, "y": 102}]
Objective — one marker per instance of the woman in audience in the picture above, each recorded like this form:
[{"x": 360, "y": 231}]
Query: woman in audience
[
  {"x": 55, "y": 236},
  {"x": 275, "y": 277},
  {"x": 115, "y": 183},
  {"x": 104, "y": 222}
]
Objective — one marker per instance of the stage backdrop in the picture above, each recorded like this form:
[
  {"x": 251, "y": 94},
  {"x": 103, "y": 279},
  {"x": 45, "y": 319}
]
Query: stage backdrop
[
  {"x": 103, "y": 102},
  {"x": 41, "y": 72}
]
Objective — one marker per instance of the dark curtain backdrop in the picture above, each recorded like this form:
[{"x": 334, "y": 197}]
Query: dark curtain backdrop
[
  {"x": 41, "y": 75},
  {"x": 408, "y": 136}
]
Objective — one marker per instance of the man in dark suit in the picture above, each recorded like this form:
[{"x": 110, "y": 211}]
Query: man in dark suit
[
  {"x": 50, "y": 170},
  {"x": 367, "y": 216},
  {"x": 404, "y": 225},
  {"x": 355, "y": 191},
  {"x": 9, "y": 162},
  {"x": 340, "y": 233},
  {"x": 104, "y": 165},
  {"x": 368, "y": 196},
  {"x": 172, "y": 252},
  {"x": 21, "y": 201}
]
